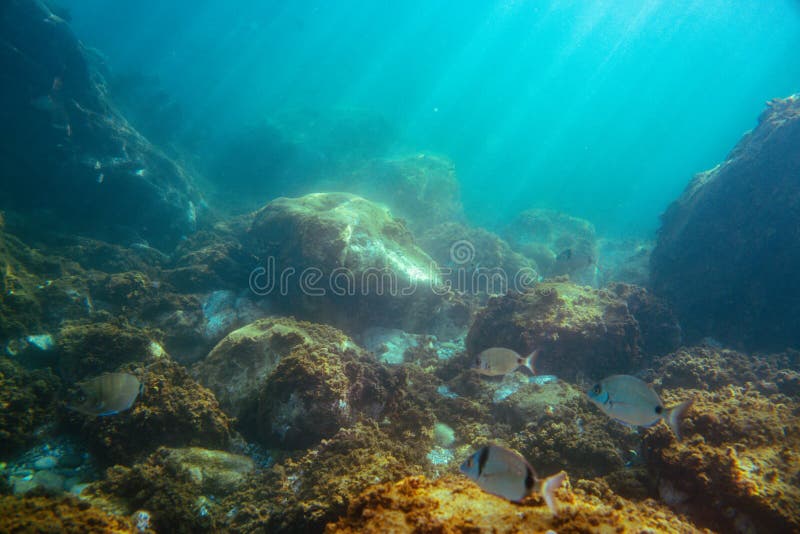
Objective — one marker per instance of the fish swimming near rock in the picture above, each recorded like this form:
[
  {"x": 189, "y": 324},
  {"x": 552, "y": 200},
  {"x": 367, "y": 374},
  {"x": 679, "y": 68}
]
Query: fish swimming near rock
[
  {"x": 107, "y": 394},
  {"x": 573, "y": 259},
  {"x": 633, "y": 401},
  {"x": 498, "y": 361},
  {"x": 507, "y": 474}
]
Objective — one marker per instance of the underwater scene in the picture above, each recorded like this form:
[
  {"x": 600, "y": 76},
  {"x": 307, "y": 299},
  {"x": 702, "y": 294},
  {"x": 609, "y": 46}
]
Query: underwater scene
[{"x": 399, "y": 267}]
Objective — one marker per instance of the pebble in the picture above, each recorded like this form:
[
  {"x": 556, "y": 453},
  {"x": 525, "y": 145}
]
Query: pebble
[{"x": 46, "y": 462}]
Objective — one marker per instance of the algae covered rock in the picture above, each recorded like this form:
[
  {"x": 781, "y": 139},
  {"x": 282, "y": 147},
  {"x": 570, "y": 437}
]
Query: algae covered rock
[
  {"x": 179, "y": 488},
  {"x": 582, "y": 331},
  {"x": 62, "y": 514},
  {"x": 87, "y": 349},
  {"x": 341, "y": 259},
  {"x": 457, "y": 505},
  {"x": 305, "y": 493},
  {"x": 659, "y": 330},
  {"x": 728, "y": 249},
  {"x": 315, "y": 391},
  {"x": 239, "y": 365},
  {"x": 739, "y": 448},
  {"x": 27, "y": 400},
  {"x": 172, "y": 410}
]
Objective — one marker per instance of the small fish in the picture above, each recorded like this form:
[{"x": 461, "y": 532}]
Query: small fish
[
  {"x": 507, "y": 474},
  {"x": 632, "y": 401},
  {"x": 498, "y": 361},
  {"x": 573, "y": 259},
  {"x": 107, "y": 394}
]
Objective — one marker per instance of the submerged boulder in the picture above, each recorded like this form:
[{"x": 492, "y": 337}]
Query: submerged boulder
[
  {"x": 66, "y": 150},
  {"x": 728, "y": 249},
  {"x": 581, "y": 331},
  {"x": 340, "y": 259},
  {"x": 171, "y": 410},
  {"x": 239, "y": 365},
  {"x": 292, "y": 383}
]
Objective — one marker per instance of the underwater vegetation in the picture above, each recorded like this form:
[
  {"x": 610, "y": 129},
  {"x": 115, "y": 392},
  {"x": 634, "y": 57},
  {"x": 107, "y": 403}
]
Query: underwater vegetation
[{"x": 346, "y": 351}]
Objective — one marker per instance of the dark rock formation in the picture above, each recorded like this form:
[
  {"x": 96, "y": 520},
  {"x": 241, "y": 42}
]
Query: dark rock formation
[
  {"x": 728, "y": 250},
  {"x": 65, "y": 150}
]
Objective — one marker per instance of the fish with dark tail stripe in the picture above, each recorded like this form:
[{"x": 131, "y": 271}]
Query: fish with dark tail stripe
[
  {"x": 507, "y": 474},
  {"x": 498, "y": 361},
  {"x": 633, "y": 401}
]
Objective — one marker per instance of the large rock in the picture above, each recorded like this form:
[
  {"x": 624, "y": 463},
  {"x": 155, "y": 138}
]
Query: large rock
[
  {"x": 582, "y": 331},
  {"x": 728, "y": 250},
  {"x": 239, "y": 366},
  {"x": 292, "y": 383},
  {"x": 365, "y": 269},
  {"x": 65, "y": 149}
]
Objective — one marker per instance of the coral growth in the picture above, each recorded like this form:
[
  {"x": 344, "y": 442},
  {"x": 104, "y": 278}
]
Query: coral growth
[{"x": 239, "y": 365}]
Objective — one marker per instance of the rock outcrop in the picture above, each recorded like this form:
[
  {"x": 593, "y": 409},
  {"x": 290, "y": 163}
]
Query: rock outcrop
[
  {"x": 66, "y": 150},
  {"x": 728, "y": 250}
]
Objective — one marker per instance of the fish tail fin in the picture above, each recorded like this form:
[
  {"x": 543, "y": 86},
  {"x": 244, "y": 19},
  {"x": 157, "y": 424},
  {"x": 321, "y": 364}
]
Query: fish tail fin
[
  {"x": 675, "y": 414},
  {"x": 548, "y": 490},
  {"x": 530, "y": 361}
]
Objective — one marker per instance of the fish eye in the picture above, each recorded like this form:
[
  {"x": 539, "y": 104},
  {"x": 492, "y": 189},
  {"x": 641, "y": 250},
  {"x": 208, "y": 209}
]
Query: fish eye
[{"x": 597, "y": 389}]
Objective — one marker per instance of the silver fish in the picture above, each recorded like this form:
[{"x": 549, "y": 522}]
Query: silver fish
[
  {"x": 632, "y": 401},
  {"x": 498, "y": 361},
  {"x": 107, "y": 394},
  {"x": 507, "y": 474}
]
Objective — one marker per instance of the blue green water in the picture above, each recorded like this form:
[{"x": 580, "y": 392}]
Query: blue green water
[{"x": 602, "y": 109}]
